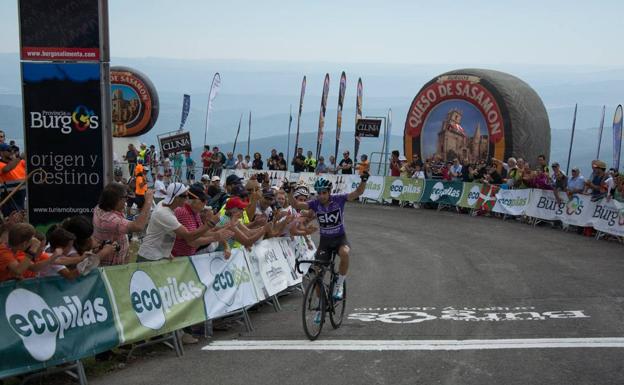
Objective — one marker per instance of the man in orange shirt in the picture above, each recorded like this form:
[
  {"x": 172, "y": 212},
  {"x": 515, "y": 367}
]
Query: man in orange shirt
[
  {"x": 16, "y": 258},
  {"x": 364, "y": 165},
  {"x": 140, "y": 187},
  {"x": 12, "y": 173}
]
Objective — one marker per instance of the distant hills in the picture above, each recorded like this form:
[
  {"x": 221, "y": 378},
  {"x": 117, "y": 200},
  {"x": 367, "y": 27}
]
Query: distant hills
[{"x": 268, "y": 89}]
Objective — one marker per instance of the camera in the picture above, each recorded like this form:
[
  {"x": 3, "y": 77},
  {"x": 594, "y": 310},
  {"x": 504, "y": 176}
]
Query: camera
[{"x": 115, "y": 245}]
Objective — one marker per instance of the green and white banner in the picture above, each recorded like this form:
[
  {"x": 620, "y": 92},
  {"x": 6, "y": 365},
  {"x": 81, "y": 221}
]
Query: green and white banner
[
  {"x": 404, "y": 189},
  {"x": 470, "y": 195},
  {"x": 155, "y": 298},
  {"x": 227, "y": 281},
  {"x": 49, "y": 322},
  {"x": 512, "y": 202},
  {"x": 442, "y": 192}
]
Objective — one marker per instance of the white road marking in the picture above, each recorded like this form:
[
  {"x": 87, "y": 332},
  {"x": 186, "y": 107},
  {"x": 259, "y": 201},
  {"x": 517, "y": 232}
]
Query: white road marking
[{"x": 382, "y": 345}]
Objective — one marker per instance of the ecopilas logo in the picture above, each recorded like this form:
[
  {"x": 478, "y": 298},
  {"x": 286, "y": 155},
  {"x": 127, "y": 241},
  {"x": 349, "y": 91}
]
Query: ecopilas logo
[
  {"x": 438, "y": 191},
  {"x": 80, "y": 119},
  {"x": 151, "y": 303},
  {"x": 39, "y": 325},
  {"x": 227, "y": 277},
  {"x": 397, "y": 188}
]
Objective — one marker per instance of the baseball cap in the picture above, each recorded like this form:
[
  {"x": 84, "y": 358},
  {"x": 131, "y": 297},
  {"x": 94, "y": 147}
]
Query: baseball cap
[
  {"x": 174, "y": 190},
  {"x": 235, "y": 203},
  {"x": 232, "y": 179},
  {"x": 5, "y": 147},
  {"x": 238, "y": 190},
  {"x": 197, "y": 191},
  {"x": 555, "y": 164},
  {"x": 214, "y": 179},
  {"x": 205, "y": 177},
  {"x": 268, "y": 193},
  {"x": 597, "y": 163}
]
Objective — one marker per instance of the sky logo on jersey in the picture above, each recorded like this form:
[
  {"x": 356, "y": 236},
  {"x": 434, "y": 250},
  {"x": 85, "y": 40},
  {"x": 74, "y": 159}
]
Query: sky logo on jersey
[{"x": 330, "y": 219}]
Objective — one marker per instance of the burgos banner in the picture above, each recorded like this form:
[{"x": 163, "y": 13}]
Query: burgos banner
[
  {"x": 404, "y": 189},
  {"x": 49, "y": 322},
  {"x": 155, "y": 298}
]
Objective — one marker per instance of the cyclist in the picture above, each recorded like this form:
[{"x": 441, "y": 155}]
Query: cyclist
[{"x": 329, "y": 210}]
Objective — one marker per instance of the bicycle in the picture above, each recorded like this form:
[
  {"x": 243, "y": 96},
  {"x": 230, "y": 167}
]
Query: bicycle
[{"x": 318, "y": 296}]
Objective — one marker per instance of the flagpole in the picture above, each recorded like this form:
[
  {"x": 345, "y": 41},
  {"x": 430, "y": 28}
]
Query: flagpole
[
  {"x": 237, "y": 132},
  {"x": 214, "y": 88},
  {"x": 249, "y": 133},
  {"x": 288, "y": 147},
  {"x": 600, "y": 132},
  {"x": 303, "y": 87},
  {"x": 571, "y": 140}
]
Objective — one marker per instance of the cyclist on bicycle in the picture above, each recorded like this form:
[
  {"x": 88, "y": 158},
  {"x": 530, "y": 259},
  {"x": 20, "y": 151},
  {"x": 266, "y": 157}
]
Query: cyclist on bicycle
[{"x": 329, "y": 210}]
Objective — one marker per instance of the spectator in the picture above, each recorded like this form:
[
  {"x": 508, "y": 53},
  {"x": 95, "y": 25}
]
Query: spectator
[
  {"x": 218, "y": 159},
  {"x": 160, "y": 190},
  {"x": 140, "y": 188},
  {"x": 230, "y": 162},
  {"x": 299, "y": 161},
  {"x": 131, "y": 157},
  {"x": 167, "y": 172},
  {"x": 395, "y": 164},
  {"x": 13, "y": 174},
  {"x": 331, "y": 167},
  {"x": 364, "y": 165},
  {"x": 272, "y": 160},
  {"x": 618, "y": 193},
  {"x": 240, "y": 162},
  {"x": 514, "y": 175},
  {"x": 310, "y": 162},
  {"x": 111, "y": 226},
  {"x": 346, "y": 164},
  {"x": 418, "y": 172},
  {"x": 257, "y": 163},
  {"x": 153, "y": 161},
  {"x": 206, "y": 158},
  {"x": 85, "y": 249},
  {"x": 455, "y": 171},
  {"x": 205, "y": 181},
  {"x": 177, "y": 167},
  {"x": 492, "y": 176},
  {"x": 247, "y": 162},
  {"x": 576, "y": 183},
  {"x": 243, "y": 236},
  {"x": 17, "y": 257},
  {"x": 281, "y": 162},
  {"x": 542, "y": 164},
  {"x": 597, "y": 184},
  {"x": 190, "y": 168},
  {"x": 61, "y": 243},
  {"x": 559, "y": 181},
  {"x": 2, "y": 137},
  {"x": 321, "y": 167},
  {"x": 189, "y": 215},
  {"x": 164, "y": 227}
]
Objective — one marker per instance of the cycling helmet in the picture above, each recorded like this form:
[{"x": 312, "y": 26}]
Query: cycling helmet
[
  {"x": 322, "y": 184},
  {"x": 301, "y": 190}
]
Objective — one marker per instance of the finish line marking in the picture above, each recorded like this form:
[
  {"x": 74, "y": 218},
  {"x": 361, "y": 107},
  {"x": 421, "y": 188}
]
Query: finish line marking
[{"x": 382, "y": 345}]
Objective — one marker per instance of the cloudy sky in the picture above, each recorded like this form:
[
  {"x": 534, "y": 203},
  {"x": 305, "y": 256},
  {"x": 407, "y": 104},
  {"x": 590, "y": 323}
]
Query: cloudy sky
[{"x": 549, "y": 32}]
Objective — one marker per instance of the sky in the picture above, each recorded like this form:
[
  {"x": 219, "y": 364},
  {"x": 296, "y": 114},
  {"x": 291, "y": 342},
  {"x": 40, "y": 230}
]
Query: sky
[{"x": 546, "y": 32}]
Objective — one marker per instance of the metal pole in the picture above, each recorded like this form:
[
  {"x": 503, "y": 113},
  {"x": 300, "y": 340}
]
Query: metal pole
[
  {"x": 571, "y": 140},
  {"x": 383, "y": 143}
]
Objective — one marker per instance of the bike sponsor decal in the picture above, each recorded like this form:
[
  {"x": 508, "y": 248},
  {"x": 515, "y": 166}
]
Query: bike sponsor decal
[{"x": 410, "y": 315}]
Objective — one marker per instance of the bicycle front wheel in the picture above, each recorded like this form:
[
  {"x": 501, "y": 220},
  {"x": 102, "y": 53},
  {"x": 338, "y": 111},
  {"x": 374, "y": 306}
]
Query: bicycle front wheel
[
  {"x": 337, "y": 312},
  {"x": 313, "y": 310}
]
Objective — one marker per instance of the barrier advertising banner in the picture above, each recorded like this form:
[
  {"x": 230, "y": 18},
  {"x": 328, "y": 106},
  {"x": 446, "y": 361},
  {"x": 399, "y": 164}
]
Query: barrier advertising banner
[
  {"x": 272, "y": 265},
  {"x": 228, "y": 282},
  {"x": 512, "y": 202},
  {"x": 48, "y": 322},
  {"x": 470, "y": 195},
  {"x": 608, "y": 217},
  {"x": 437, "y": 191},
  {"x": 576, "y": 211},
  {"x": 403, "y": 189},
  {"x": 487, "y": 198},
  {"x": 301, "y": 251},
  {"x": 153, "y": 300}
]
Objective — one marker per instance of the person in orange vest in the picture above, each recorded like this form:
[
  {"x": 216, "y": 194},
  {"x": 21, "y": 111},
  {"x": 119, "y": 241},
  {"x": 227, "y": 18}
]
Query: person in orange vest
[
  {"x": 140, "y": 186},
  {"x": 12, "y": 173}
]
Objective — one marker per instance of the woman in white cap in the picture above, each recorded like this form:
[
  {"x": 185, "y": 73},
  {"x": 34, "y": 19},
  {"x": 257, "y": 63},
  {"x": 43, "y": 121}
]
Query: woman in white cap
[{"x": 164, "y": 227}]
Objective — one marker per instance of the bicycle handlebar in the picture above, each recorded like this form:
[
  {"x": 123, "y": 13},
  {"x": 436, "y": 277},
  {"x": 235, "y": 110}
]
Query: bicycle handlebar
[{"x": 311, "y": 262}]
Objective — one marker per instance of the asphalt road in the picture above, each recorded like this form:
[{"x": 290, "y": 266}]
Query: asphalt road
[{"x": 422, "y": 275}]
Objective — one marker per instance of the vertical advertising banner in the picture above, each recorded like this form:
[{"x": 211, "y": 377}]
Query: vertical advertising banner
[
  {"x": 61, "y": 30},
  {"x": 152, "y": 300},
  {"x": 358, "y": 116},
  {"x": 341, "y": 95},
  {"x": 63, "y": 136},
  {"x": 47, "y": 322},
  {"x": 186, "y": 107},
  {"x": 319, "y": 136},
  {"x": 303, "y": 88},
  {"x": 617, "y": 136}
]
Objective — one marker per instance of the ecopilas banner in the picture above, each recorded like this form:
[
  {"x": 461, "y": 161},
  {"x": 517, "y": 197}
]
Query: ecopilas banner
[
  {"x": 442, "y": 192},
  {"x": 470, "y": 195},
  {"x": 403, "y": 189},
  {"x": 512, "y": 202},
  {"x": 47, "y": 322},
  {"x": 228, "y": 282},
  {"x": 155, "y": 298}
]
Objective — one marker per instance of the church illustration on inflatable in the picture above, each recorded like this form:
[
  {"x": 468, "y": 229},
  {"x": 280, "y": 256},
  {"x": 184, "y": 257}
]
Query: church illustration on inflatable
[{"x": 454, "y": 142}]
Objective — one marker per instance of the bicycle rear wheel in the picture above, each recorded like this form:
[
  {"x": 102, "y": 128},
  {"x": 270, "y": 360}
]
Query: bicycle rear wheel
[
  {"x": 313, "y": 307},
  {"x": 338, "y": 307}
]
